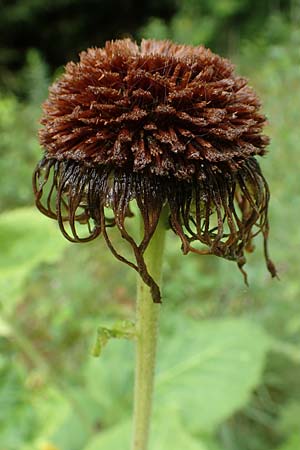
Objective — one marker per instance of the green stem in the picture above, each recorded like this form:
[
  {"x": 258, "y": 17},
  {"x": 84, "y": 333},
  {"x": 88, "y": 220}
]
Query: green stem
[{"x": 147, "y": 315}]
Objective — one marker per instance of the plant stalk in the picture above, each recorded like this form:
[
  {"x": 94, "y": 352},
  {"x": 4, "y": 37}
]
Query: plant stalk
[{"x": 147, "y": 316}]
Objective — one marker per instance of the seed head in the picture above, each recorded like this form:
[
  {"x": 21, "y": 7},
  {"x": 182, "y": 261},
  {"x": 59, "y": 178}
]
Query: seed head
[{"x": 165, "y": 125}]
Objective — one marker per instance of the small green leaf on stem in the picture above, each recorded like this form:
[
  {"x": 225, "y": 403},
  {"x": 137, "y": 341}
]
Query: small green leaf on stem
[{"x": 121, "y": 330}]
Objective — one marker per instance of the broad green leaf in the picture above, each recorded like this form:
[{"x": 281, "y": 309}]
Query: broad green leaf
[
  {"x": 293, "y": 443},
  {"x": 78, "y": 425},
  {"x": 27, "y": 238},
  {"x": 288, "y": 349},
  {"x": 167, "y": 433},
  {"x": 109, "y": 381},
  {"x": 114, "y": 438},
  {"x": 209, "y": 369},
  {"x": 72, "y": 434},
  {"x": 289, "y": 419},
  {"x": 5, "y": 329},
  {"x": 18, "y": 418}
]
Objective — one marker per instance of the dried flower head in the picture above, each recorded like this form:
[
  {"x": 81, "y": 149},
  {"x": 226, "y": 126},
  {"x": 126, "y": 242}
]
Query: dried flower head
[{"x": 165, "y": 125}]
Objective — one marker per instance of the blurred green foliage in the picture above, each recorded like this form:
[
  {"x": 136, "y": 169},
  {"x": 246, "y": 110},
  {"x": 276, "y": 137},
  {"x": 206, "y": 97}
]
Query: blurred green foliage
[
  {"x": 229, "y": 357},
  {"x": 59, "y": 29},
  {"x": 220, "y": 24},
  {"x": 19, "y": 148}
]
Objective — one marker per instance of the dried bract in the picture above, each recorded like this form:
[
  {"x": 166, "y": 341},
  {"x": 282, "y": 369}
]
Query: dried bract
[{"x": 165, "y": 125}]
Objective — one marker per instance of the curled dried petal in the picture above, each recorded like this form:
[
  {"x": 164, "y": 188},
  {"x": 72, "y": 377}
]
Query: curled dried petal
[{"x": 223, "y": 214}]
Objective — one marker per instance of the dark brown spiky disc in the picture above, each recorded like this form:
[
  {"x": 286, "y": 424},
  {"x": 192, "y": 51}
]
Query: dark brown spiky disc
[{"x": 166, "y": 125}]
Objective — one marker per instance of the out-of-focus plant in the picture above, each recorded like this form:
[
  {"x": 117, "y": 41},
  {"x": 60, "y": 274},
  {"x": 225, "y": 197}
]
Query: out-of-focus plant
[
  {"x": 38, "y": 414},
  {"x": 18, "y": 128},
  {"x": 167, "y": 133},
  {"x": 223, "y": 25}
]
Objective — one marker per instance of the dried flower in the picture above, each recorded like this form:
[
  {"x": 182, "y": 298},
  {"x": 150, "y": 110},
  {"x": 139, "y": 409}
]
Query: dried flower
[{"x": 165, "y": 125}]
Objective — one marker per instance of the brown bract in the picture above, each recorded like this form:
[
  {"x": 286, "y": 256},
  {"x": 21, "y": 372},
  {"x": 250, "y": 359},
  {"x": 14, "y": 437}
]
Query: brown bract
[{"x": 165, "y": 125}]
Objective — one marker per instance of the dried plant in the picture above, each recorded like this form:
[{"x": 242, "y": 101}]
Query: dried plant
[
  {"x": 162, "y": 124},
  {"x": 173, "y": 129}
]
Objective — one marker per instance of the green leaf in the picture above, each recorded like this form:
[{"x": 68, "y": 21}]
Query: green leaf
[
  {"x": 115, "y": 438},
  {"x": 109, "y": 381},
  {"x": 27, "y": 238},
  {"x": 77, "y": 426},
  {"x": 169, "y": 432},
  {"x": 166, "y": 433},
  {"x": 293, "y": 443},
  {"x": 209, "y": 369},
  {"x": 121, "y": 330},
  {"x": 287, "y": 349},
  {"x": 288, "y": 422},
  {"x": 5, "y": 328},
  {"x": 18, "y": 418}
]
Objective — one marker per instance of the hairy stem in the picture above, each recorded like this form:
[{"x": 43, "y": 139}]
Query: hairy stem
[{"x": 147, "y": 315}]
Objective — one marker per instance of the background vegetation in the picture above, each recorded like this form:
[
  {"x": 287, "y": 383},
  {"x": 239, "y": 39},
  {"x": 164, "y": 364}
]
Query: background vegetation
[{"x": 229, "y": 359}]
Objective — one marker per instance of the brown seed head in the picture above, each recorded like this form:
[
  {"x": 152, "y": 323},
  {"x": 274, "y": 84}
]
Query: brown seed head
[
  {"x": 160, "y": 107},
  {"x": 165, "y": 125}
]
